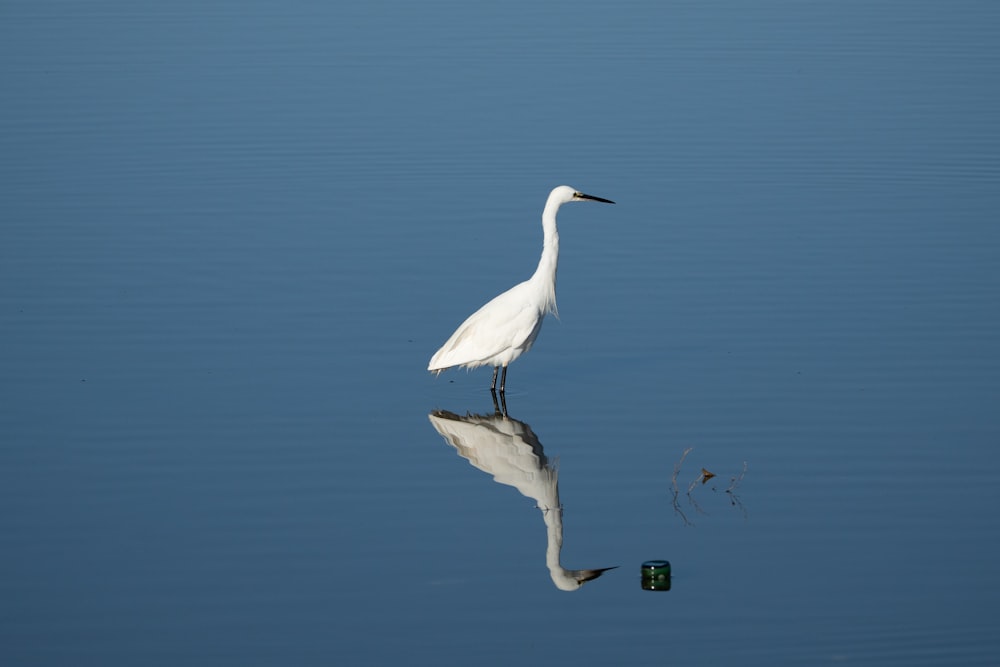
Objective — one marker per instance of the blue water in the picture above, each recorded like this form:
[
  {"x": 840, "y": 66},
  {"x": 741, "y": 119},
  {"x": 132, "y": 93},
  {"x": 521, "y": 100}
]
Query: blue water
[{"x": 232, "y": 235}]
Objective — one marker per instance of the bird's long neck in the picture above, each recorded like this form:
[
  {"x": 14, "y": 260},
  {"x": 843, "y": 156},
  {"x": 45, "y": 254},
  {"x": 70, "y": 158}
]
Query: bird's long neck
[{"x": 545, "y": 274}]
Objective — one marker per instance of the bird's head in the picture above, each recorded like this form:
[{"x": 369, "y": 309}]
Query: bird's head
[{"x": 564, "y": 194}]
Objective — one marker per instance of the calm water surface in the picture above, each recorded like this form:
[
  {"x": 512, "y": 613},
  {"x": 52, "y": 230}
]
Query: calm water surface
[{"x": 232, "y": 236}]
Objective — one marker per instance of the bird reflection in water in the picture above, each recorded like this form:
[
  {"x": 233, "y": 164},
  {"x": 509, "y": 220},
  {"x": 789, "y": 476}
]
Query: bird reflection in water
[{"x": 510, "y": 451}]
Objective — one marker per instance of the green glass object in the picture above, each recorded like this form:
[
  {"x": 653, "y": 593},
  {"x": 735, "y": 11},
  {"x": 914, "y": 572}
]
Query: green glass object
[{"x": 656, "y": 575}]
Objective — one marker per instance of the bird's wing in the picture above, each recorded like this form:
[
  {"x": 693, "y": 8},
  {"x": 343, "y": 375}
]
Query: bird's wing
[{"x": 505, "y": 322}]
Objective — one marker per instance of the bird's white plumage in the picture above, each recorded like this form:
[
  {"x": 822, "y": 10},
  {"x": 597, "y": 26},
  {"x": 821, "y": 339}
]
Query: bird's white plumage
[
  {"x": 496, "y": 334},
  {"x": 506, "y": 327}
]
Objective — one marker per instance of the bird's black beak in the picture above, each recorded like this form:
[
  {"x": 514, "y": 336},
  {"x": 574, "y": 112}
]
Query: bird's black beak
[
  {"x": 593, "y": 198},
  {"x": 583, "y": 576}
]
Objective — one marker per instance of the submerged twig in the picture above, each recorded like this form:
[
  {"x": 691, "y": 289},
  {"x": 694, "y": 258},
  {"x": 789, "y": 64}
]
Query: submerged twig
[
  {"x": 677, "y": 466},
  {"x": 735, "y": 481},
  {"x": 675, "y": 491},
  {"x": 734, "y": 499},
  {"x": 702, "y": 479}
]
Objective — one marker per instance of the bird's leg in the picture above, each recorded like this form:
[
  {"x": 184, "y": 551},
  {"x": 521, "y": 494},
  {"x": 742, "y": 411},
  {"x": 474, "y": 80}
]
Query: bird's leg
[
  {"x": 499, "y": 408},
  {"x": 503, "y": 379},
  {"x": 493, "y": 387}
]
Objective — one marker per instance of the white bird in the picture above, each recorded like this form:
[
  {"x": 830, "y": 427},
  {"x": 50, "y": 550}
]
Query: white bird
[{"x": 507, "y": 326}]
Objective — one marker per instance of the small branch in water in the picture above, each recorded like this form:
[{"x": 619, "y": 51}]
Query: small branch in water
[
  {"x": 675, "y": 490},
  {"x": 732, "y": 490},
  {"x": 702, "y": 479},
  {"x": 735, "y": 481},
  {"x": 677, "y": 466}
]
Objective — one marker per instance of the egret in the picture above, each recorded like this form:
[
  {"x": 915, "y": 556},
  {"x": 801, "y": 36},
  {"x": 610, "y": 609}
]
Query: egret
[{"x": 507, "y": 326}]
